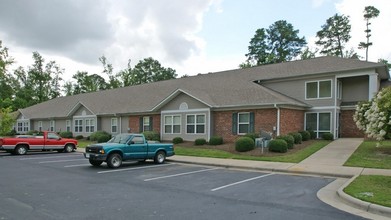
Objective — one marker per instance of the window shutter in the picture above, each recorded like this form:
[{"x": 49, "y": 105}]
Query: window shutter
[
  {"x": 235, "y": 123},
  {"x": 151, "y": 123},
  {"x": 141, "y": 125},
  {"x": 251, "y": 128}
]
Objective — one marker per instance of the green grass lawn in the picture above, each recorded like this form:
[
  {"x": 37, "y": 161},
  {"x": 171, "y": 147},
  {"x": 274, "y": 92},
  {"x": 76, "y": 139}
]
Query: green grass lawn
[
  {"x": 373, "y": 189},
  {"x": 289, "y": 158},
  {"x": 83, "y": 143},
  {"x": 369, "y": 156}
]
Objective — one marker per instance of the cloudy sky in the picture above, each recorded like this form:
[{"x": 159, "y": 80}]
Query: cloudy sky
[{"x": 190, "y": 36}]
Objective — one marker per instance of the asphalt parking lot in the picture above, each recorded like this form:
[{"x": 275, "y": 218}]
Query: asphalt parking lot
[{"x": 65, "y": 186}]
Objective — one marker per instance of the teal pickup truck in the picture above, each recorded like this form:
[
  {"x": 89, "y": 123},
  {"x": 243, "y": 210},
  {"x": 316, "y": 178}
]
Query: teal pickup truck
[{"x": 127, "y": 147}]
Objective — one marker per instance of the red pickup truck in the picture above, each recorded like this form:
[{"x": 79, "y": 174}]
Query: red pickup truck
[{"x": 44, "y": 141}]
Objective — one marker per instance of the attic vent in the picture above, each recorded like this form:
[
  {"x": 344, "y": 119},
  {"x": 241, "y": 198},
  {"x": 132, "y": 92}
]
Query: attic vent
[
  {"x": 83, "y": 113},
  {"x": 183, "y": 106}
]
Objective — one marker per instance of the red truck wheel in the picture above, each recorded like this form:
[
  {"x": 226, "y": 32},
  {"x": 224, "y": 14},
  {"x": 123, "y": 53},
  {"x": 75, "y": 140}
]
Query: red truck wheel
[
  {"x": 68, "y": 148},
  {"x": 21, "y": 150}
]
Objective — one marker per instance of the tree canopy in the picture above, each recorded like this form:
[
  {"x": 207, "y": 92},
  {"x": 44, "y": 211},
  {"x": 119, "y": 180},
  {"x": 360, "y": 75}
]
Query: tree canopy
[
  {"x": 279, "y": 43},
  {"x": 369, "y": 13}
]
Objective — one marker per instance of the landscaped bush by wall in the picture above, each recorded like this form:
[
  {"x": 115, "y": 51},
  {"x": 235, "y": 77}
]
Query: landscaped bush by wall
[
  {"x": 312, "y": 134},
  {"x": 216, "y": 140},
  {"x": 244, "y": 144},
  {"x": 200, "y": 141},
  {"x": 297, "y": 137},
  {"x": 100, "y": 136},
  {"x": 278, "y": 145},
  {"x": 289, "y": 140},
  {"x": 151, "y": 135},
  {"x": 328, "y": 136},
  {"x": 252, "y": 135},
  {"x": 305, "y": 135},
  {"x": 66, "y": 134},
  {"x": 79, "y": 137},
  {"x": 177, "y": 140}
]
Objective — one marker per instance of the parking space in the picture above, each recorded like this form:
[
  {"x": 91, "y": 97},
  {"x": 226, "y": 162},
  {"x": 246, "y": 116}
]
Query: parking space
[{"x": 36, "y": 184}]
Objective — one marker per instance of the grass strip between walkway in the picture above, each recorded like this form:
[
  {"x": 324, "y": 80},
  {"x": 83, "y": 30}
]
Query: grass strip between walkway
[
  {"x": 288, "y": 158},
  {"x": 369, "y": 156},
  {"x": 373, "y": 189}
]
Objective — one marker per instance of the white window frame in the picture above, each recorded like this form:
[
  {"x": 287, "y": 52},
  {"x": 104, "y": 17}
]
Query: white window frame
[
  {"x": 78, "y": 128},
  {"x": 196, "y": 124},
  {"x": 89, "y": 125},
  {"x": 22, "y": 126},
  {"x": 317, "y": 131},
  {"x": 68, "y": 126},
  {"x": 52, "y": 125},
  {"x": 318, "y": 89},
  {"x": 114, "y": 124},
  {"x": 243, "y": 123},
  {"x": 146, "y": 123},
  {"x": 173, "y": 124},
  {"x": 40, "y": 125}
]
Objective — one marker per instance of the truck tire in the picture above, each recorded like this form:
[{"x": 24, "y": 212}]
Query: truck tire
[
  {"x": 21, "y": 150},
  {"x": 160, "y": 157},
  {"x": 68, "y": 148},
  {"x": 95, "y": 163},
  {"x": 114, "y": 160}
]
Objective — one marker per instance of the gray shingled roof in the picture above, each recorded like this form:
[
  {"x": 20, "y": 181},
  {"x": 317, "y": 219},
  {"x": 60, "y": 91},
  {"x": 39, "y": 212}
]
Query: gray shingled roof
[{"x": 217, "y": 90}]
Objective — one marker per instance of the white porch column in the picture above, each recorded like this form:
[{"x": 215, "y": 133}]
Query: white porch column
[{"x": 373, "y": 85}]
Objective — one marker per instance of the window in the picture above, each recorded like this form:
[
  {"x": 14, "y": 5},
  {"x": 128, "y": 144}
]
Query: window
[
  {"x": 339, "y": 90},
  {"x": 146, "y": 123},
  {"x": 23, "y": 126},
  {"x": 90, "y": 125},
  {"x": 137, "y": 140},
  {"x": 68, "y": 125},
  {"x": 318, "y": 89},
  {"x": 114, "y": 125},
  {"x": 319, "y": 122},
  {"x": 78, "y": 125},
  {"x": 195, "y": 124},
  {"x": 53, "y": 136},
  {"x": 52, "y": 125},
  {"x": 243, "y": 123},
  {"x": 172, "y": 124},
  {"x": 40, "y": 126}
]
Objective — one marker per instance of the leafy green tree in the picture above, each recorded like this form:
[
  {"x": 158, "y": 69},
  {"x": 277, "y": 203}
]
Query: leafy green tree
[
  {"x": 108, "y": 70},
  {"x": 279, "y": 43},
  {"x": 388, "y": 64},
  {"x": 125, "y": 75},
  {"x": 369, "y": 13},
  {"x": 307, "y": 53},
  {"x": 333, "y": 35},
  {"x": 6, "y": 80},
  {"x": 88, "y": 83},
  {"x": 150, "y": 70},
  {"x": 6, "y": 121}
]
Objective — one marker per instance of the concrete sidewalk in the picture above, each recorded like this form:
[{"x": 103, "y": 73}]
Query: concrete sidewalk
[{"x": 326, "y": 162}]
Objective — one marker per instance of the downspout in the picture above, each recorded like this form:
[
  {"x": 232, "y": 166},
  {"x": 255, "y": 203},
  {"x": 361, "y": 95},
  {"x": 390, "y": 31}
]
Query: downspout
[{"x": 278, "y": 120}]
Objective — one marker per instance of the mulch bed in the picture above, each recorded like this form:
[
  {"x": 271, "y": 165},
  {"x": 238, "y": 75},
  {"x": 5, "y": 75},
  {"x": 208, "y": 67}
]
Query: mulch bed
[{"x": 230, "y": 147}]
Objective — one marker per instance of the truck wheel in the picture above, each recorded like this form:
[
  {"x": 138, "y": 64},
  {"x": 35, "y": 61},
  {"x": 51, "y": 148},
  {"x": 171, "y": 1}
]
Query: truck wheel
[
  {"x": 114, "y": 160},
  {"x": 21, "y": 150},
  {"x": 68, "y": 148},
  {"x": 95, "y": 163},
  {"x": 160, "y": 157}
]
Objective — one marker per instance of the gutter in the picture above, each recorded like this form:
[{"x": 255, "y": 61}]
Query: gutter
[{"x": 278, "y": 119}]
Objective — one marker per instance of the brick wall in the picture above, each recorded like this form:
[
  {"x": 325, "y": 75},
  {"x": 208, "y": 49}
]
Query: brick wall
[
  {"x": 265, "y": 119},
  {"x": 291, "y": 121},
  {"x": 134, "y": 123},
  {"x": 348, "y": 126}
]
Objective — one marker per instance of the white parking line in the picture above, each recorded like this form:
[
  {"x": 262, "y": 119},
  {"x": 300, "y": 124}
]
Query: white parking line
[
  {"x": 135, "y": 168},
  {"x": 51, "y": 157},
  {"x": 78, "y": 165},
  {"x": 180, "y": 174},
  {"x": 243, "y": 181},
  {"x": 60, "y": 161}
]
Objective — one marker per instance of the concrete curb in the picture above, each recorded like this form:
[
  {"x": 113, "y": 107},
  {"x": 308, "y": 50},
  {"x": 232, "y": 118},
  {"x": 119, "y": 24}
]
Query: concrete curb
[{"x": 357, "y": 203}]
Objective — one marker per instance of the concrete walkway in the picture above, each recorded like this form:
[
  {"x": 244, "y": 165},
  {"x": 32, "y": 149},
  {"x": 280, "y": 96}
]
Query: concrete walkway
[{"x": 326, "y": 162}]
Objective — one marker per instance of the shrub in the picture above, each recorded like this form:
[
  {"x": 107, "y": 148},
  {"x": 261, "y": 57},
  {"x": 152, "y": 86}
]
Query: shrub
[
  {"x": 79, "y": 137},
  {"x": 100, "y": 136},
  {"x": 312, "y": 134},
  {"x": 305, "y": 135},
  {"x": 66, "y": 134},
  {"x": 278, "y": 145},
  {"x": 177, "y": 140},
  {"x": 33, "y": 132},
  {"x": 297, "y": 137},
  {"x": 252, "y": 135},
  {"x": 290, "y": 141},
  {"x": 328, "y": 136},
  {"x": 215, "y": 140},
  {"x": 200, "y": 141},
  {"x": 151, "y": 135},
  {"x": 244, "y": 144}
]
